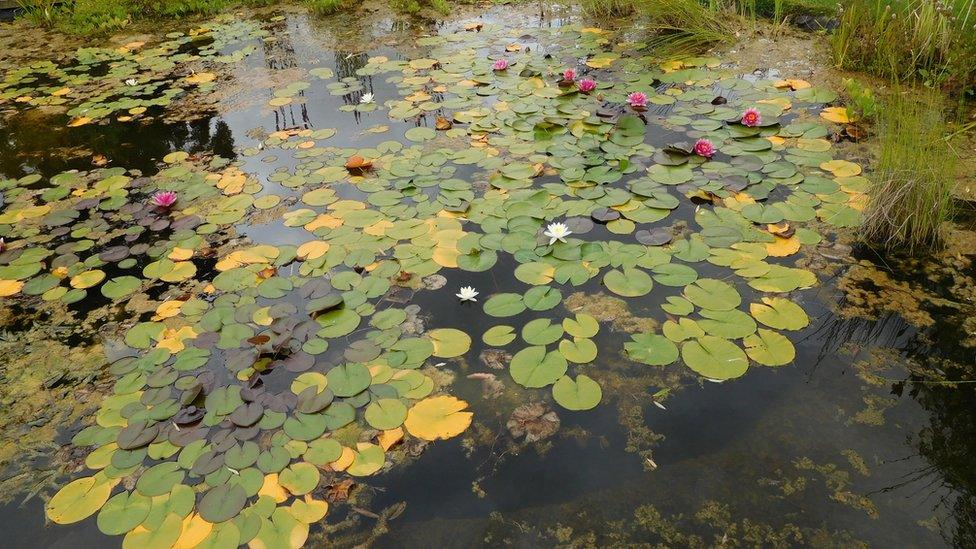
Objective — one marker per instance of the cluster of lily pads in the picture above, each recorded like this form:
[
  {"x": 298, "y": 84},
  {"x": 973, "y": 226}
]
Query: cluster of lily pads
[
  {"x": 256, "y": 369},
  {"x": 125, "y": 82}
]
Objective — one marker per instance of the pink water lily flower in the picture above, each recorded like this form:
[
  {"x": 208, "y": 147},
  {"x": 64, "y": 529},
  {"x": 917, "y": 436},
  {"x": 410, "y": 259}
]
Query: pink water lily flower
[
  {"x": 704, "y": 147},
  {"x": 751, "y": 118},
  {"x": 500, "y": 65},
  {"x": 586, "y": 85},
  {"x": 163, "y": 199},
  {"x": 569, "y": 75},
  {"x": 637, "y": 100}
]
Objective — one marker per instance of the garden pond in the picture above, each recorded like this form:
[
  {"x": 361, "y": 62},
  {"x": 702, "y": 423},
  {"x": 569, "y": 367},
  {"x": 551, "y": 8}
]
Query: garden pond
[{"x": 232, "y": 306}]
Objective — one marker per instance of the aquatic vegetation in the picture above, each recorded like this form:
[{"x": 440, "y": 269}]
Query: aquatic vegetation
[
  {"x": 862, "y": 104},
  {"x": 684, "y": 26},
  {"x": 366, "y": 98},
  {"x": 910, "y": 41},
  {"x": 267, "y": 337},
  {"x": 557, "y": 232},
  {"x": 467, "y": 293},
  {"x": 704, "y": 148},
  {"x": 87, "y": 100},
  {"x": 751, "y": 117},
  {"x": 915, "y": 174},
  {"x": 94, "y": 17},
  {"x": 499, "y": 64},
  {"x": 163, "y": 199},
  {"x": 586, "y": 85},
  {"x": 637, "y": 100}
]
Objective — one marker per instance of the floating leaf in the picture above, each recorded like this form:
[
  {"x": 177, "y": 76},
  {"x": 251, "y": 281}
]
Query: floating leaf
[
  {"x": 504, "y": 305},
  {"x": 499, "y": 336},
  {"x": 386, "y": 413},
  {"x": 628, "y": 283},
  {"x": 580, "y": 350},
  {"x": 348, "y": 380},
  {"x": 580, "y": 394},
  {"x": 769, "y": 348},
  {"x": 779, "y": 313},
  {"x": 714, "y": 357},
  {"x": 79, "y": 499},
  {"x": 652, "y": 349},
  {"x": 533, "y": 367},
  {"x": 709, "y": 293},
  {"x": 541, "y": 331},
  {"x": 449, "y": 342},
  {"x": 299, "y": 478},
  {"x": 222, "y": 503},
  {"x": 583, "y": 325},
  {"x": 123, "y": 512},
  {"x": 440, "y": 417},
  {"x": 369, "y": 459}
]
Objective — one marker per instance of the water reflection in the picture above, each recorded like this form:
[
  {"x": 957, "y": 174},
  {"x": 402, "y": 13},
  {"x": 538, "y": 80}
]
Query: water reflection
[{"x": 24, "y": 149}]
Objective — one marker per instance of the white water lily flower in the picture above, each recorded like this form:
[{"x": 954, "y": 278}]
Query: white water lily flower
[
  {"x": 131, "y": 82},
  {"x": 557, "y": 231},
  {"x": 366, "y": 99},
  {"x": 467, "y": 293}
]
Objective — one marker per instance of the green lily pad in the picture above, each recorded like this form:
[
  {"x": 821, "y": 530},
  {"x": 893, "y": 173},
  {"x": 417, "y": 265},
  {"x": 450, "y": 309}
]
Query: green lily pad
[
  {"x": 580, "y": 394},
  {"x": 714, "y": 357},
  {"x": 533, "y": 367},
  {"x": 628, "y": 283}
]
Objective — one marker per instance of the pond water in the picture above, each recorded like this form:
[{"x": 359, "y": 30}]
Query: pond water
[{"x": 279, "y": 358}]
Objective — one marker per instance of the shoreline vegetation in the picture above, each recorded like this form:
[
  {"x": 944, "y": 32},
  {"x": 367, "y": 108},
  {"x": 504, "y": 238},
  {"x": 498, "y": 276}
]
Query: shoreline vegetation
[{"x": 921, "y": 54}]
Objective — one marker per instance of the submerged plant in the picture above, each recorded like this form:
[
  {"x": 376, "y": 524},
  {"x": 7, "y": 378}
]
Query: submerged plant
[{"x": 911, "y": 197}]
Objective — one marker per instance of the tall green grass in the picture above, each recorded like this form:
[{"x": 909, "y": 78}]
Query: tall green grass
[
  {"x": 925, "y": 41},
  {"x": 911, "y": 197},
  {"x": 416, "y": 7},
  {"x": 324, "y": 7},
  {"x": 673, "y": 26},
  {"x": 94, "y": 17},
  {"x": 608, "y": 8}
]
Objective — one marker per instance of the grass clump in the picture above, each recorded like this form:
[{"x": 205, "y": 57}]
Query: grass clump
[
  {"x": 608, "y": 8},
  {"x": 685, "y": 25},
  {"x": 414, "y": 7},
  {"x": 324, "y": 7},
  {"x": 926, "y": 41},
  {"x": 96, "y": 17},
  {"x": 674, "y": 26},
  {"x": 911, "y": 197}
]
